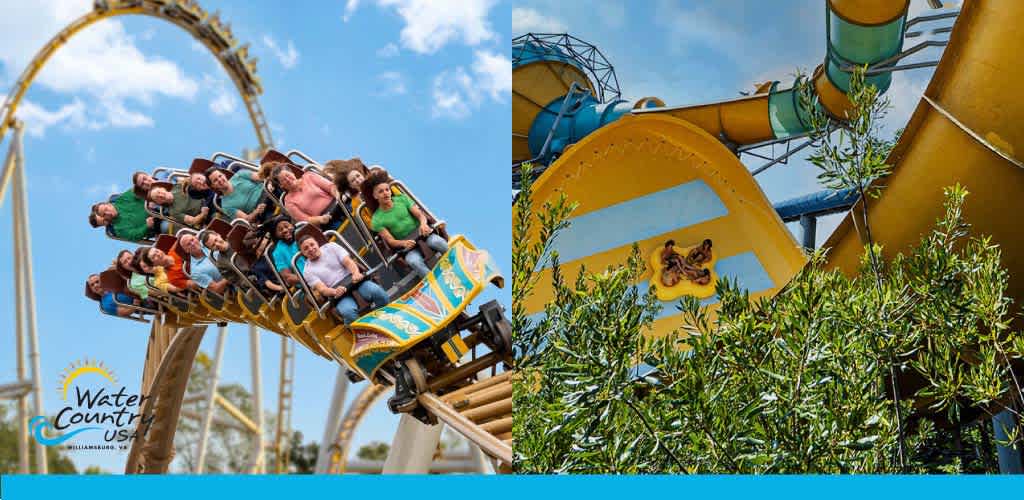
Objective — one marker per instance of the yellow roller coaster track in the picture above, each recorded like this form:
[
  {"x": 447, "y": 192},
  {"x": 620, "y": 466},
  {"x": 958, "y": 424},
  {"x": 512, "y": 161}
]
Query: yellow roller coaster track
[
  {"x": 350, "y": 422},
  {"x": 482, "y": 412},
  {"x": 205, "y": 28},
  {"x": 170, "y": 351}
]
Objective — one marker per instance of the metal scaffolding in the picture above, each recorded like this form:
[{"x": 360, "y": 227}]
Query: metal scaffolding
[{"x": 25, "y": 306}]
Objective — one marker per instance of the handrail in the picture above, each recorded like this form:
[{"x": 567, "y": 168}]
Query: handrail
[{"x": 302, "y": 155}]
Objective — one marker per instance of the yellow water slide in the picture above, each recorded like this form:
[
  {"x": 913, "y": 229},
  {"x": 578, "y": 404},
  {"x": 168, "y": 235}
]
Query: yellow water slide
[
  {"x": 644, "y": 173},
  {"x": 647, "y": 179},
  {"x": 968, "y": 128}
]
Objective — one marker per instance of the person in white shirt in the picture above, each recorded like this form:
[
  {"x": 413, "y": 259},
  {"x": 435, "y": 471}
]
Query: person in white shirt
[{"x": 327, "y": 266}]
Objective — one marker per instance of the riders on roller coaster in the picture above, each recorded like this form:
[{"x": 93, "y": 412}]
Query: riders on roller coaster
[
  {"x": 169, "y": 268},
  {"x": 95, "y": 291},
  {"x": 180, "y": 204},
  {"x": 330, "y": 263},
  {"x": 240, "y": 194},
  {"x": 400, "y": 222},
  {"x": 348, "y": 179},
  {"x": 204, "y": 273},
  {"x": 308, "y": 196},
  {"x": 124, "y": 216}
]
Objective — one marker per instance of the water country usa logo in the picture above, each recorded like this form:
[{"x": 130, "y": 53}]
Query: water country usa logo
[{"x": 97, "y": 403}]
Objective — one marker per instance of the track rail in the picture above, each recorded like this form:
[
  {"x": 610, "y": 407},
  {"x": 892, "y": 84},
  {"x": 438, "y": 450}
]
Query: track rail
[
  {"x": 350, "y": 422},
  {"x": 482, "y": 412},
  {"x": 186, "y": 14},
  {"x": 169, "y": 358}
]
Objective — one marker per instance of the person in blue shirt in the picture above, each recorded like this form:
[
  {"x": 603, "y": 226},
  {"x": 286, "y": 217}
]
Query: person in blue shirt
[
  {"x": 285, "y": 248},
  {"x": 203, "y": 271},
  {"x": 106, "y": 299}
]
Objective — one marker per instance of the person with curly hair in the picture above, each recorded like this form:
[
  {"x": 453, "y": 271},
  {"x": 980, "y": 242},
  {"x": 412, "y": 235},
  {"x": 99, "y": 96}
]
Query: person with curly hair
[{"x": 399, "y": 221}]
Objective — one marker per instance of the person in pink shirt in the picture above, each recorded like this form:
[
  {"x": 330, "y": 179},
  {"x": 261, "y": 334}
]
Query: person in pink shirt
[{"x": 307, "y": 198}]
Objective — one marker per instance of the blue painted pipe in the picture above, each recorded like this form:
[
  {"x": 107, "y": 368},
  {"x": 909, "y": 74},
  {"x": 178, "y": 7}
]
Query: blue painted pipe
[
  {"x": 583, "y": 115},
  {"x": 847, "y": 43},
  {"x": 820, "y": 203},
  {"x": 1009, "y": 456}
]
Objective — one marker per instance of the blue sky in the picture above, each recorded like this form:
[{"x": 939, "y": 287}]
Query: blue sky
[
  {"x": 700, "y": 51},
  {"x": 421, "y": 87}
]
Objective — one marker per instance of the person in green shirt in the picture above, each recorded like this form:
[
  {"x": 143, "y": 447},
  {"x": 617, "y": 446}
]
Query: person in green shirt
[
  {"x": 399, "y": 221},
  {"x": 126, "y": 215},
  {"x": 126, "y": 267},
  {"x": 240, "y": 192},
  {"x": 182, "y": 203}
]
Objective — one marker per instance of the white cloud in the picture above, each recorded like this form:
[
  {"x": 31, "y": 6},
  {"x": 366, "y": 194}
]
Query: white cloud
[
  {"x": 494, "y": 73},
  {"x": 100, "y": 66},
  {"x": 37, "y": 118},
  {"x": 223, "y": 104},
  {"x": 119, "y": 116},
  {"x": 451, "y": 89},
  {"x": 701, "y": 26},
  {"x": 350, "y": 8},
  {"x": 390, "y": 83},
  {"x": 904, "y": 94},
  {"x": 431, "y": 24},
  {"x": 525, "y": 20},
  {"x": 457, "y": 93},
  {"x": 389, "y": 50},
  {"x": 223, "y": 101},
  {"x": 287, "y": 56}
]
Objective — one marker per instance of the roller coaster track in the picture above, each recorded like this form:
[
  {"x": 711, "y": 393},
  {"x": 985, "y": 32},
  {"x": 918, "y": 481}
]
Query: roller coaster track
[
  {"x": 353, "y": 417},
  {"x": 482, "y": 412},
  {"x": 171, "y": 350},
  {"x": 205, "y": 28},
  {"x": 169, "y": 358},
  {"x": 172, "y": 347}
]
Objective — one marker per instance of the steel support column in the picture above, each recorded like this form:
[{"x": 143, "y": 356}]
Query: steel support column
[
  {"x": 323, "y": 458},
  {"x": 808, "y": 228},
  {"x": 204, "y": 433},
  {"x": 258, "y": 463}
]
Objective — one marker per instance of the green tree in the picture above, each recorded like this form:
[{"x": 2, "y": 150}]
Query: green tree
[
  {"x": 802, "y": 382},
  {"x": 854, "y": 159},
  {"x": 94, "y": 470},
  {"x": 302, "y": 457},
  {"x": 57, "y": 461},
  {"x": 228, "y": 450},
  {"x": 374, "y": 450}
]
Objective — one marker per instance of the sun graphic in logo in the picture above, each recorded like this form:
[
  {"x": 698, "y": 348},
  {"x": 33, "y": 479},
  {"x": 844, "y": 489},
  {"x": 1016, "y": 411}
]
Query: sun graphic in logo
[{"x": 79, "y": 368}]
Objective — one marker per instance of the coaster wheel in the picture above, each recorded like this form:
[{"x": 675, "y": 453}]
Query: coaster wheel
[{"x": 411, "y": 382}]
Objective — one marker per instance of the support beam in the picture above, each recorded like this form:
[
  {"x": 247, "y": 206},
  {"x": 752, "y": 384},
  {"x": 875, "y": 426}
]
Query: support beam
[
  {"x": 258, "y": 464},
  {"x": 236, "y": 413},
  {"x": 204, "y": 432},
  {"x": 9, "y": 163},
  {"x": 413, "y": 447},
  {"x": 15, "y": 390},
  {"x": 19, "y": 310},
  {"x": 284, "y": 406},
  {"x": 331, "y": 427},
  {"x": 25, "y": 241},
  {"x": 1010, "y": 462},
  {"x": 808, "y": 228},
  {"x": 222, "y": 422},
  {"x": 442, "y": 466}
]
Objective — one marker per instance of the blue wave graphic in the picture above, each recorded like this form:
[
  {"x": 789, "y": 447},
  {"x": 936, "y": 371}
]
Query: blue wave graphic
[{"x": 38, "y": 424}]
